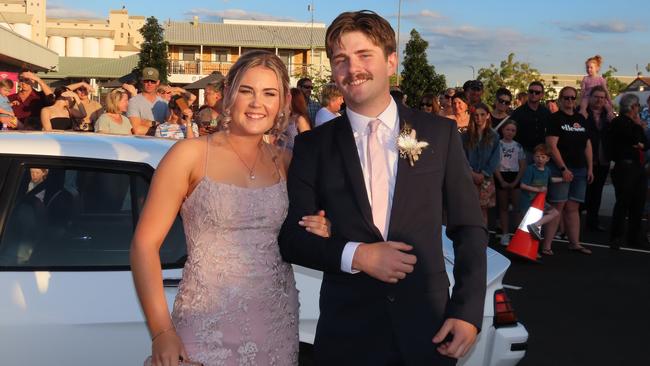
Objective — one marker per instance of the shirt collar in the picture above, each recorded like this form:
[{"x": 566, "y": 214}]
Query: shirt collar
[{"x": 360, "y": 122}]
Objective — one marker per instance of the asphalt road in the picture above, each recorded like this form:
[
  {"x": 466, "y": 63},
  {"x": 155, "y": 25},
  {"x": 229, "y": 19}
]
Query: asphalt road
[{"x": 584, "y": 309}]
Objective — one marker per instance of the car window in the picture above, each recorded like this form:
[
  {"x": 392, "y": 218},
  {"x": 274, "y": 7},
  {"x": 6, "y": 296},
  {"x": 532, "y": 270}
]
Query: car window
[{"x": 83, "y": 219}]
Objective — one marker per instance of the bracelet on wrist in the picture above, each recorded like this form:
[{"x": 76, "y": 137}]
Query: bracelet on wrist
[{"x": 153, "y": 339}]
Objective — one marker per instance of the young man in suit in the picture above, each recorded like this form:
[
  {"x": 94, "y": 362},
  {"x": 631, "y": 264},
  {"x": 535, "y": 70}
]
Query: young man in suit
[{"x": 384, "y": 298}]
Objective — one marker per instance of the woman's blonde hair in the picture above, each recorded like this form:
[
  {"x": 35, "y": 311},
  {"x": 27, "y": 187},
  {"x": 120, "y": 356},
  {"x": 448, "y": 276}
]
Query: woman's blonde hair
[
  {"x": 113, "y": 100},
  {"x": 233, "y": 79}
]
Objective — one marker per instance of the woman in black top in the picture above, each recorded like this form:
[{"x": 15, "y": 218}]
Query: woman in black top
[
  {"x": 60, "y": 115},
  {"x": 568, "y": 140},
  {"x": 628, "y": 142}
]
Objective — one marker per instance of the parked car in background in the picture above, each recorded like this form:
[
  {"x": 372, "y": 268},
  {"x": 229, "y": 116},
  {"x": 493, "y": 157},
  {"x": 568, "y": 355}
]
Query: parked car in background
[{"x": 69, "y": 203}]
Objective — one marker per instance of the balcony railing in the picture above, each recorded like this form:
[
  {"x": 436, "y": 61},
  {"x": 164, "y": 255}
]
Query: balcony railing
[{"x": 207, "y": 67}]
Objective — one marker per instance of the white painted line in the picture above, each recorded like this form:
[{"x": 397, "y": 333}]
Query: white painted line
[
  {"x": 510, "y": 287},
  {"x": 598, "y": 245}
]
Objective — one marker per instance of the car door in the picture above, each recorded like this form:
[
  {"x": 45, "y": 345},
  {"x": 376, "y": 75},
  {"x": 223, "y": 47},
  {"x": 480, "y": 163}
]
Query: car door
[{"x": 66, "y": 291}]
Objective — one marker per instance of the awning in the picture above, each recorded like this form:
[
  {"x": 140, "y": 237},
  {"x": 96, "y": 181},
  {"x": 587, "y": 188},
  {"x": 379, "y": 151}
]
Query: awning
[{"x": 21, "y": 52}]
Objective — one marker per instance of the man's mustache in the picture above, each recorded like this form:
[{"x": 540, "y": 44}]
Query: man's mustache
[{"x": 358, "y": 76}]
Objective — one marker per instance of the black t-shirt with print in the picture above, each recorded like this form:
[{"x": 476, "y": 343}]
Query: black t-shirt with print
[{"x": 572, "y": 134}]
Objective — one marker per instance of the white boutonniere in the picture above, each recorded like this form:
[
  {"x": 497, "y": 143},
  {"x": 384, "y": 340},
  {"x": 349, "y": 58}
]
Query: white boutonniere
[{"x": 408, "y": 144}]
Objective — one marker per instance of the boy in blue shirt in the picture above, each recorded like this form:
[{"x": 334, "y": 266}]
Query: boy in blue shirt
[{"x": 535, "y": 180}]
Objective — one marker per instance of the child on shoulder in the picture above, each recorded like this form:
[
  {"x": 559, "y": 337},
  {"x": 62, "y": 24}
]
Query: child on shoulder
[
  {"x": 6, "y": 88},
  {"x": 535, "y": 180},
  {"x": 508, "y": 176},
  {"x": 592, "y": 79}
]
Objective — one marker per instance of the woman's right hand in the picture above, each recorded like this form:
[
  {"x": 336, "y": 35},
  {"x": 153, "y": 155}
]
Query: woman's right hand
[
  {"x": 167, "y": 349},
  {"x": 567, "y": 175}
]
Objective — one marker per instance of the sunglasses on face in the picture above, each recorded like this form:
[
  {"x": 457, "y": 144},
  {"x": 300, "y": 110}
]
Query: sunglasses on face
[
  {"x": 535, "y": 92},
  {"x": 569, "y": 98},
  {"x": 148, "y": 81},
  {"x": 504, "y": 101},
  {"x": 448, "y": 96},
  {"x": 308, "y": 87},
  {"x": 476, "y": 88},
  {"x": 426, "y": 105}
]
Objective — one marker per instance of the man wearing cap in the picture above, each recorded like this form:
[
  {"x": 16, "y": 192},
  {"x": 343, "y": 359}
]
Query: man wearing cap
[
  {"x": 28, "y": 102},
  {"x": 473, "y": 91},
  {"x": 147, "y": 109}
]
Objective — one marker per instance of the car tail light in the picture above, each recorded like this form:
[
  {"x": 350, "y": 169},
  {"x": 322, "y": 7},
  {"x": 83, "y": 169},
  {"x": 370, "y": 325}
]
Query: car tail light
[{"x": 504, "y": 314}]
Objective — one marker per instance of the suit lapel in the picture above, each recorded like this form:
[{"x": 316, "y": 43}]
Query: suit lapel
[
  {"x": 401, "y": 179},
  {"x": 348, "y": 146}
]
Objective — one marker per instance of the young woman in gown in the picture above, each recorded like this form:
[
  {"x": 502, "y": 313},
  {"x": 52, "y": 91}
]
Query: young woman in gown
[{"x": 237, "y": 303}]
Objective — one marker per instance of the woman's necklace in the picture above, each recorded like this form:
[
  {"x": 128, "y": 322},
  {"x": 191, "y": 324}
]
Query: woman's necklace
[{"x": 251, "y": 170}]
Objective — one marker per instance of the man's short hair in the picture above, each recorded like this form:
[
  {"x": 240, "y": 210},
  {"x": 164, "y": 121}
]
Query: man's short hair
[
  {"x": 329, "y": 92},
  {"x": 373, "y": 26},
  {"x": 302, "y": 81},
  {"x": 503, "y": 91},
  {"x": 473, "y": 84},
  {"x": 536, "y": 83}
]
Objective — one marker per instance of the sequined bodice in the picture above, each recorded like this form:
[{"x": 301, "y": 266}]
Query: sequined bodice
[{"x": 236, "y": 290}]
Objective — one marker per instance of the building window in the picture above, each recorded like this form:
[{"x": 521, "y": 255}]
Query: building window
[
  {"x": 286, "y": 57},
  {"x": 121, "y": 35},
  {"x": 219, "y": 55},
  {"x": 188, "y": 54},
  {"x": 121, "y": 25}
]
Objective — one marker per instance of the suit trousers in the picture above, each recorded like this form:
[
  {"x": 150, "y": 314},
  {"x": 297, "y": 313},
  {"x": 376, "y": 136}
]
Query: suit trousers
[
  {"x": 381, "y": 331},
  {"x": 630, "y": 183}
]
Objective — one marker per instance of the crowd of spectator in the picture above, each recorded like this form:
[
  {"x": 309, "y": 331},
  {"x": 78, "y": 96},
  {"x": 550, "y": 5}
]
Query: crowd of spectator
[{"x": 518, "y": 147}]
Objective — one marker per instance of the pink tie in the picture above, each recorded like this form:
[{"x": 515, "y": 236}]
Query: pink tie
[{"x": 378, "y": 169}]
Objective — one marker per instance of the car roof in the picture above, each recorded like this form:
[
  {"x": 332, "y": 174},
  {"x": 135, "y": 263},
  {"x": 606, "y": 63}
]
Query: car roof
[{"x": 142, "y": 149}]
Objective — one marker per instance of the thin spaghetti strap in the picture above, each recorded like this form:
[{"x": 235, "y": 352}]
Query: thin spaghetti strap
[{"x": 207, "y": 151}]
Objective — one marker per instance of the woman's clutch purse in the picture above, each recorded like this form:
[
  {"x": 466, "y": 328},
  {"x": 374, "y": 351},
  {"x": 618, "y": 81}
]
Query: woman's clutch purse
[{"x": 147, "y": 362}]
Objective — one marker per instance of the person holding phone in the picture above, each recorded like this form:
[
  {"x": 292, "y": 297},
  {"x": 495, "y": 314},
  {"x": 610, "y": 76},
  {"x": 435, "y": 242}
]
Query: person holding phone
[{"x": 179, "y": 125}]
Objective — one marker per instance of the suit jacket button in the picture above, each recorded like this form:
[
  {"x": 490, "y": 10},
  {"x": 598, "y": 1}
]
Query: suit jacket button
[{"x": 391, "y": 298}]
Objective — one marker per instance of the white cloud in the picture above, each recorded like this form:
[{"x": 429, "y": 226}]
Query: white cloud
[
  {"x": 217, "y": 15},
  {"x": 610, "y": 26},
  {"x": 58, "y": 10}
]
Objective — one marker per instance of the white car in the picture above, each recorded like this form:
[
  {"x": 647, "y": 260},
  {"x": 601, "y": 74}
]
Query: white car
[{"x": 66, "y": 292}]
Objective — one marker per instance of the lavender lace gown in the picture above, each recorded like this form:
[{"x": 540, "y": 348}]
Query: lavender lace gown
[{"x": 237, "y": 303}]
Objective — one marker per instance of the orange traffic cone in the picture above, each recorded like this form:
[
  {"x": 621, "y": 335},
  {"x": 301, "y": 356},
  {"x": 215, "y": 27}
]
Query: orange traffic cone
[{"x": 523, "y": 244}]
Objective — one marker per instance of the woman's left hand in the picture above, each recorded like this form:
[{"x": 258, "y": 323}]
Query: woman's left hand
[
  {"x": 590, "y": 177},
  {"x": 317, "y": 224}
]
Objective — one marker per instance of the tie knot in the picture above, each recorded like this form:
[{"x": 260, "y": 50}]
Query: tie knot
[{"x": 374, "y": 125}]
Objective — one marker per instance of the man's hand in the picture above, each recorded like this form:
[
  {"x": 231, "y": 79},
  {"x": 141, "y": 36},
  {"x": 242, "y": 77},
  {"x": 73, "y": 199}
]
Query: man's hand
[
  {"x": 464, "y": 336},
  {"x": 385, "y": 261}
]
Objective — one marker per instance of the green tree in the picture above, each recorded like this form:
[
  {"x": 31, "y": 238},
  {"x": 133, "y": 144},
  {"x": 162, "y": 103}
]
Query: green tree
[
  {"x": 513, "y": 75},
  {"x": 418, "y": 77},
  {"x": 614, "y": 85},
  {"x": 153, "y": 51},
  {"x": 647, "y": 67}
]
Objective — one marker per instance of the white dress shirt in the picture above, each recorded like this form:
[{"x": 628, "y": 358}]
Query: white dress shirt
[{"x": 387, "y": 133}]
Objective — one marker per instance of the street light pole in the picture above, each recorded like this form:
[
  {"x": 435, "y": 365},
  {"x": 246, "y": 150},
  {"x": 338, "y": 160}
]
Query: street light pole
[
  {"x": 473, "y": 72},
  {"x": 399, "y": 17}
]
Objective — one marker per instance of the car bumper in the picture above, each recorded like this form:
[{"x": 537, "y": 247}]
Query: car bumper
[{"x": 504, "y": 346}]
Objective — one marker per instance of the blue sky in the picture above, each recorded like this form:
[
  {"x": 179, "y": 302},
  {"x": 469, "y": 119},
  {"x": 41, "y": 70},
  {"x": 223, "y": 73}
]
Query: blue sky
[{"x": 555, "y": 36}]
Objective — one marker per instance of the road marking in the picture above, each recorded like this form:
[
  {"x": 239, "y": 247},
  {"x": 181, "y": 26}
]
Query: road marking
[
  {"x": 511, "y": 287},
  {"x": 598, "y": 245}
]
